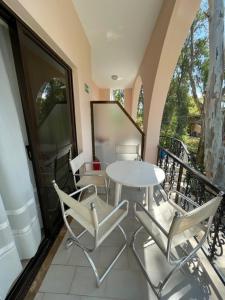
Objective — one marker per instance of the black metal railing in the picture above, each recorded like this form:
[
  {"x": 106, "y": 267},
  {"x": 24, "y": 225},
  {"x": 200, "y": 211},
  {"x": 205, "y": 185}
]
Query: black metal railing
[
  {"x": 184, "y": 178},
  {"x": 178, "y": 148}
]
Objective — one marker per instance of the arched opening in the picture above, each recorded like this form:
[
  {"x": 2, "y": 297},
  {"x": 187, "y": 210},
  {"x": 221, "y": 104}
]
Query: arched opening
[
  {"x": 183, "y": 112},
  {"x": 140, "y": 109}
]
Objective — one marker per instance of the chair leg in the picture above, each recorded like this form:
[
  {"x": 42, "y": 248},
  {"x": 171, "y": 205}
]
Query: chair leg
[
  {"x": 99, "y": 279},
  {"x": 156, "y": 288},
  {"x": 75, "y": 239},
  {"x": 107, "y": 184},
  {"x": 79, "y": 198}
]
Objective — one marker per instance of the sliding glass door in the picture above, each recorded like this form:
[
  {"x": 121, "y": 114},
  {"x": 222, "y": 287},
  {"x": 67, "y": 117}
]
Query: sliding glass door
[
  {"x": 49, "y": 110},
  {"x": 20, "y": 218}
]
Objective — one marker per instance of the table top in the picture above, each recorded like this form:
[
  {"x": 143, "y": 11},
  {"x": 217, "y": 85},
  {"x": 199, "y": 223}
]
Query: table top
[{"x": 135, "y": 173}]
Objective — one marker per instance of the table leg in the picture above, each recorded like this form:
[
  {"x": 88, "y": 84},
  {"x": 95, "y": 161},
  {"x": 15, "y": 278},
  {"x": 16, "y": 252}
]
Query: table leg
[
  {"x": 146, "y": 197},
  {"x": 118, "y": 189},
  {"x": 149, "y": 202},
  {"x": 150, "y": 197}
]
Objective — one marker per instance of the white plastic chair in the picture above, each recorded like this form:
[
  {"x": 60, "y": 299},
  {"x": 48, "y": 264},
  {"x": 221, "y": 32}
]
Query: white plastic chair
[
  {"x": 84, "y": 175},
  {"x": 97, "y": 217},
  {"x": 169, "y": 226},
  {"x": 128, "y": 152}
]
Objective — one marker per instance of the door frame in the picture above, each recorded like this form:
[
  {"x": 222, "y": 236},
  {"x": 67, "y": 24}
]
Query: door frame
[{"x": 16, "y": 27}]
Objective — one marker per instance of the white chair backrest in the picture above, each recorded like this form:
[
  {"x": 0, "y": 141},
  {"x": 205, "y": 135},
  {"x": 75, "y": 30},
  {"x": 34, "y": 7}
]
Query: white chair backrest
[
  {"x": 81, "y": 213},
  {"x": 127, "y": 152},
  {"x": 127, "y": 149},
  {"x": 77, "y": 162},
  {"x": 195, "y": 217}
]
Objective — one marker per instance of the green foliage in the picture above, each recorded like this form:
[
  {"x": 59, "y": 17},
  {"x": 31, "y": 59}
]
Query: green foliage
[
  {"x": 118, "y": 95},
  {"x": 185, "y": 98},
  {"x": 193, "y": 110},
  {"x": 140, "y": 109},
  {"x": 191, "y": 142}
]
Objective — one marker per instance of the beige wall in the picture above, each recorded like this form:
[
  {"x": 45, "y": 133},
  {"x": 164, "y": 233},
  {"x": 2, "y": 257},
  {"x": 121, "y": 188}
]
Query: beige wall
[
  {"x": 136, "y": 92},
  {"x": 159, "y": 62},
  {"x": 128, "y": 100},
  {"x": 104, "y": 94},
  {"x": 57, "y": 23},
  {"x": 95, "y": 92}
]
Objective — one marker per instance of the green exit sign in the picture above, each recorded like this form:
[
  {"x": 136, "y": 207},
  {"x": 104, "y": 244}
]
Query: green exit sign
[{"x": 86, "y": 88}]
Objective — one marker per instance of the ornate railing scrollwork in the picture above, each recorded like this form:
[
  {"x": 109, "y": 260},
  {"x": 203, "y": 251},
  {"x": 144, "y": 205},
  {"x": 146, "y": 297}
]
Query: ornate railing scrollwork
[{"x": 182, "y": 177}]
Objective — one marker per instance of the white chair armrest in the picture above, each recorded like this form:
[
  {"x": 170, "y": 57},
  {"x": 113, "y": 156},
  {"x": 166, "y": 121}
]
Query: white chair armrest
[
  {"x": 84, "y": 174},
  {"x": 150, "y": 216},
  {"x": 84, "y": 188},
  {"x": 171, "y": 201},
  {"x": 95, "y": 175}
]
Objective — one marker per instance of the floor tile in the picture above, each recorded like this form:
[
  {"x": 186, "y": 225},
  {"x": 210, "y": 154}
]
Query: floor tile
[
  {"x": 114, "y": 239},
  {"x": 53, "y": 296},
  {"x": 126, "y": 284},
  {"x": 58, "y": 279},
  {"x": 87, "y": 240},
  {"x": 97, "y": 298},
  {"x": 62, "y": 255},
  {"x": 130, "y": 224},
  {"x": 39, "y": 296},
  {"x": 84, "y": 283},
  {"x": 107, "y": 254},
  {"x": 78, "y": 258},
  {"x": 132, "y": 261}
]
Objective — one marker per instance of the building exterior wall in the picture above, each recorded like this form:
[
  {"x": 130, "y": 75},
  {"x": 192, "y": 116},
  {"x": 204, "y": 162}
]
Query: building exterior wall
[{"x": 128, "y": 100}]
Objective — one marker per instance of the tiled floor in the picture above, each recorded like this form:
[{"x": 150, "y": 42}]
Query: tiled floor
[{"x": 70, "y": 277}]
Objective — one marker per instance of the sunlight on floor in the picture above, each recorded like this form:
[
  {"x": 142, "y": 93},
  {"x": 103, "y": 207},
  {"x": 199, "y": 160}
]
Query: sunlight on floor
[{"x": 70, "y": 277}]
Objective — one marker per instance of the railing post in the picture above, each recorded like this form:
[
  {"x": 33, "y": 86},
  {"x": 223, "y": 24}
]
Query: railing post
[
  {"x": 158, "y": 157},
  {"x": 179, "y": 181},
  {"x": 218, "y": 226},
  {"x": 179, "y": 177}
]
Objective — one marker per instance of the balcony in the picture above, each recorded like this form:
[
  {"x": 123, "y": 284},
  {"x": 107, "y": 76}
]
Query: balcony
[{"x": 60, "y": 61}]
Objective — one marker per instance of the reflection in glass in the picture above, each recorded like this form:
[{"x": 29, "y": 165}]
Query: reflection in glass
[{"x": 49, "y": 90}]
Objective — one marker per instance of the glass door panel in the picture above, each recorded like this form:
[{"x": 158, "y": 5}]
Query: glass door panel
[{"x": 52, "y": 133}]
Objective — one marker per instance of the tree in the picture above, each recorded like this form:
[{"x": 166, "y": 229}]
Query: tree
[
  {"x": 118, "y": 95},
  {"x": 187, "y": 89},
  {"x": 198, "y": 55},
  {"x": 214, "y": 114},
  {"x": 140, "y": 109},
  {"x": 175, "y": 116}
]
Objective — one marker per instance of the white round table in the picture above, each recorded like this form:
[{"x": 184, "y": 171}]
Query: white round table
[{"x": 135, "y": 174}]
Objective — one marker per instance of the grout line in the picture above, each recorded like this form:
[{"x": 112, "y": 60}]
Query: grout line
[
  {"x": 73, "y": 278},
  {"x": 86, "y": 296}
]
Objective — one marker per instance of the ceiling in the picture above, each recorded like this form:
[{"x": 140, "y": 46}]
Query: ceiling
[{"x": 118, "y": 32}]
